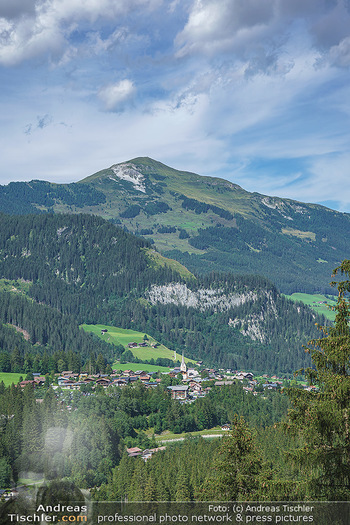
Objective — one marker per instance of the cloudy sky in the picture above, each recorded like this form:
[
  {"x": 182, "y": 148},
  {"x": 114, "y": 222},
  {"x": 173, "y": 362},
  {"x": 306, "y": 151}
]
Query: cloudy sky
[{"x": 254, "y": 91}]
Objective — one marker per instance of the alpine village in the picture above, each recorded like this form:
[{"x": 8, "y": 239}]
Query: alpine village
[{"x": 166, "y": 336}]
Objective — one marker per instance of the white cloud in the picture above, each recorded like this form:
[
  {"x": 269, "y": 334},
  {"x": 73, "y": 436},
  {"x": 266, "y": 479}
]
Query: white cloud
[
  {"x": 219, "y": 25},
  {"x": 91, "y": 140},
  {"x": 339, "y": 55},
  {"x": 26, "y": 32},
  {"x": 114, "y": 96},
  {"x": 257, "y": 31},
  {"x": 327, "y": 180},
  {"x": 212, "y": 86}
]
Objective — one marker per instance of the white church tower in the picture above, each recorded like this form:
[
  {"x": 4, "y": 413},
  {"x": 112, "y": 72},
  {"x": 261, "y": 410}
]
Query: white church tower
[{"x": 183, "y": 367}]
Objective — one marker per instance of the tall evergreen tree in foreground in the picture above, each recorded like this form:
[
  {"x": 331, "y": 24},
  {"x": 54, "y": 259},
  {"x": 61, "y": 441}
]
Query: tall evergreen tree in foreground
[
  {"x": 322, "y": 417},
  {"x": 239, "y": 471}
]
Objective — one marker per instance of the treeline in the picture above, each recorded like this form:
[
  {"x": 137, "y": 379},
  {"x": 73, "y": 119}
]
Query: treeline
[
  {"x": 80, "y": 264},
  {"x": 18, "y": 197},
  {"x": 187, "y": 466},
  {"x": 55, "y": 341},
  {"x": 202, "y": 470},
  {"x": 291, "y": 262},
  {"x": 45, "y": 439},
  {"x": 208, "y": 336},
  {"x": 87, "y": 268},
  {"x": 149, "y": 208},
  {"x": 82, "y": 437},
  {"x": 203, "y": 207},
  {"x": 227, "y": 251}
]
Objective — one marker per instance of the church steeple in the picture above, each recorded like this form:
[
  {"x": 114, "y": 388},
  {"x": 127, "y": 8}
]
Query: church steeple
[{"x": 183, "y": 367}]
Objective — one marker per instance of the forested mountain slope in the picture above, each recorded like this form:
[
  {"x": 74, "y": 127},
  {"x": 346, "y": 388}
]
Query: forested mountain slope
[
  {"x": 88, "y": 269},
  {"x": 207, "y": 223}
]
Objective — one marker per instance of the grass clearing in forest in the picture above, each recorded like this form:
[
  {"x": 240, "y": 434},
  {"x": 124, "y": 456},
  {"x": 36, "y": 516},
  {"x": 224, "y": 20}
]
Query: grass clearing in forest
[
  {"x": 139, "y": 366},
  {"x": 8, "y": 378},
  {"x": 300, "y": 234},
  {"x": 159, "y": 261},
  {"x": 318, "y": 302},
  {"x": 123, "y": 336},
  {"x": 170, "y": 436}
]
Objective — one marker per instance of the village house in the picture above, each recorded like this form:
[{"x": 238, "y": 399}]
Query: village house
[
  {"x": 133, "y": 452},
  {"x": 120, "y": 382},
  {"x": 192, "y": 372},
  {"x": 244, "y": 375},
  {"x": 270, "y": 386},
  {"x": 178, "y": 391},
  {"x": 88, "y": 380},
  {"x": 23, "y": 384},
  {"x": 195, "y": 387},
  {"x": 148, "y": 452},
  {"x": 103, "y": 381}
]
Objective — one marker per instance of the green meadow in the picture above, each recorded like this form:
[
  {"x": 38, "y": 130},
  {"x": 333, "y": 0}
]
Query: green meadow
[
  {"x": 123, "y": 336},
  {"x": 170, "y": 436},
  {"x": 9, "y": 378},
  {"x": 318, "y": 302},
  {"x": 139, "y": 366}
]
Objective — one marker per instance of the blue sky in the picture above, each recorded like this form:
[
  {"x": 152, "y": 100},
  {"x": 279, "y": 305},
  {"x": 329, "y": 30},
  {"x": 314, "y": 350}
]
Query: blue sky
[{"x": 254, "y": 91}]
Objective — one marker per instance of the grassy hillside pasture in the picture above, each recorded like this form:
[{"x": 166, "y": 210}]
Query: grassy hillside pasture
[
  {"x": 318, "y": 302},
  {"x": 159, "y": 261},
  {"x": 139, "y": 366},
  {"x": 9, "y": 378},
  {"x": 123, "y": 336},
  {"x": 300, "y": 234},
  {"x": 168, "y": 436}
]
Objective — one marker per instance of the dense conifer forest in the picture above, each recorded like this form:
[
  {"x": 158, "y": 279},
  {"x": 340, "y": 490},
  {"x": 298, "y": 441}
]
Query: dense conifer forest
[
  {"x": 94, "y": 272},
  {"x": 79, "y": 268},
  {"x": 83, "y": 437}
]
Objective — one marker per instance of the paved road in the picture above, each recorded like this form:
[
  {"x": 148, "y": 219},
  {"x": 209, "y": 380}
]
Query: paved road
[{"x": 205, "y": 436}]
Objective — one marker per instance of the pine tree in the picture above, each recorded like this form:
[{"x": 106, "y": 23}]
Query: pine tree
[
  {"x": 321, "y": 417},
  {"x": 239, "y": 471},
  {"x": 150, "y": 493},
  {"x": 138, "y": 482},
  {"x": 183, "y": 489}
]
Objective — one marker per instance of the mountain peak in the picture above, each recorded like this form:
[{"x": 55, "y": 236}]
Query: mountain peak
[
  {"x": 206, "y": 223},
  {"x": 128, "y": 171},
  {"x": 140, "y": 170}
]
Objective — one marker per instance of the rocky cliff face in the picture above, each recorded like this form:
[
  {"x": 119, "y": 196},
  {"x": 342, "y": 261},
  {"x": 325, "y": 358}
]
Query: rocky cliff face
[
  {"x": 253, "y": 325},
  {"x": 202, "y": 299}
]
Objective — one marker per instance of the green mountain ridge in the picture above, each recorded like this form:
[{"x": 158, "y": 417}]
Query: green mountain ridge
[
  {"x": 83, "y": 267},
  {"x": 206, "y": 223}
]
